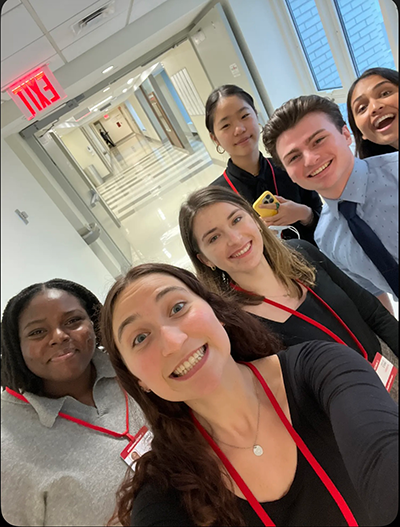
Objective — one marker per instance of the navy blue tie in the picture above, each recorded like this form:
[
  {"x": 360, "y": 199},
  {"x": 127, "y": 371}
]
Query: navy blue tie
[{"x": 372, "y": 245}]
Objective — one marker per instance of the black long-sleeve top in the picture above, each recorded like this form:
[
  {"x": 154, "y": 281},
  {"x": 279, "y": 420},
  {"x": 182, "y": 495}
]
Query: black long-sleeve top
[
  {"x": 343, "y": 413},
  {"x": 360, "y": 310},
  {"x": 251, "y": 187}
]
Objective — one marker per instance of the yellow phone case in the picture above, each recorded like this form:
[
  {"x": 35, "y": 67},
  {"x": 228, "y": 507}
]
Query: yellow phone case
[{"x": 265, "y": 213}]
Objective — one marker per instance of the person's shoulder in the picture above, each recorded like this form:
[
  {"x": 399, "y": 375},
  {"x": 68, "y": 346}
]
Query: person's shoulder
[
  {"x": 219, "y": 182},
  {"x": 389, "y": 160},
  {"x": 154, "y": 505},
  {"x": 313, "y": 355},
  {"x": 306, "y": 249}
]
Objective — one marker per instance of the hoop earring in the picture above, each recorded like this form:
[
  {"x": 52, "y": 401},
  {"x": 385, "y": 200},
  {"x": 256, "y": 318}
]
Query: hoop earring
[
  {"x": 213, "y": 268},
  {"x": 219, "y": 146}
]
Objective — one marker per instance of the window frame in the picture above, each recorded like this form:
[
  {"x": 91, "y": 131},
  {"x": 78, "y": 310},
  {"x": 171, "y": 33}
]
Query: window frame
[{"x": 337, "y": 43}]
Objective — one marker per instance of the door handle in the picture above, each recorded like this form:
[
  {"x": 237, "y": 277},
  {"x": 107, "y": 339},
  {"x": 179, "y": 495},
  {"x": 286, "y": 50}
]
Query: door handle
[{"x": 94, "y": 198}]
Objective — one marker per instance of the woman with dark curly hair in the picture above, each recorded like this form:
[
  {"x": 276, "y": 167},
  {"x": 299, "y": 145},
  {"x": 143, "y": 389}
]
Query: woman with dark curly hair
[
  {"x": 373, "y": 112},
  {"x": 244, "y": 434},
  {"x": 60, "y": 465}
]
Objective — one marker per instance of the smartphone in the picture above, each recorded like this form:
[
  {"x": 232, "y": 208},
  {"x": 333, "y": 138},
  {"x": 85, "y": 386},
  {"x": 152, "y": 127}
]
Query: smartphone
[{"x": 266, "y": 198}]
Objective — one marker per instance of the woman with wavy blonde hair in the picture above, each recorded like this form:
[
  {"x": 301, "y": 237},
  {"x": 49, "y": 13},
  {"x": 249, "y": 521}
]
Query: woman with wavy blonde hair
[{"x": 289, "y": 285}]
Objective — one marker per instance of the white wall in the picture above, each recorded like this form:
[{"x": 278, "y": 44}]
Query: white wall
[
  {"x": 183, "y": 56},
  {"x": 77, "y": 144},
  {"x": 261, "y": 34},
  {"x": 150, "y": 132},
  {"x": 48, "y": 247}
]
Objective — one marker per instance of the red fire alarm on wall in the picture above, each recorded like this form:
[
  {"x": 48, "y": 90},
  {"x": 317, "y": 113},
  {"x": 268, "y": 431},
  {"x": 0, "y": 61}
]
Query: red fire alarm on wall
[{"x": 36, "y": 91}]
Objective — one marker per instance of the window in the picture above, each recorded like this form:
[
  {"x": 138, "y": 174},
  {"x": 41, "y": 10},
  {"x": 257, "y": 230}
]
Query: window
[
  {"x": 315, "y": 45},
  {"x": 340, "y": 40},
  {"x": 365, "y": 34}
]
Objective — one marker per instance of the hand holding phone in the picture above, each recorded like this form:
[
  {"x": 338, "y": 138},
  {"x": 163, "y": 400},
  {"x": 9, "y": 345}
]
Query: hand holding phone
[{"x": 265, "y": 199}]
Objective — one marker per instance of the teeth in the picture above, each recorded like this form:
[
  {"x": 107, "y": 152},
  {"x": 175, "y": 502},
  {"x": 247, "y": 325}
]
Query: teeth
[
  {"x": 184, "y": 368},
  {"x": 320, "y": 169},
  {"x": 382, "y": 118},
  {"x": 244, "y": 250}
]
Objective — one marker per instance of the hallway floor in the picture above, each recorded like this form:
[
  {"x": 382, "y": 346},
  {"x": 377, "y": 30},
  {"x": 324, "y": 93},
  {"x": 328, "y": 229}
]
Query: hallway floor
[{"x": 152, "y": 180}]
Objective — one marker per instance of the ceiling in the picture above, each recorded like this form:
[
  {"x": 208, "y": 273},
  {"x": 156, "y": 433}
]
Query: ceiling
[{"x": 49, "y": 32}]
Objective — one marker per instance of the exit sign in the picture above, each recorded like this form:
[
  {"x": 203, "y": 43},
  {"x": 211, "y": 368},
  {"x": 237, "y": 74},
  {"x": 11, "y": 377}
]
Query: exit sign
[{"x": 36, "y": 91}]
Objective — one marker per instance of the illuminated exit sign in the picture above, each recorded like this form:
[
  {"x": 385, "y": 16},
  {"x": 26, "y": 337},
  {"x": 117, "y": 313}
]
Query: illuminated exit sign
[{"x": 36, "y": 91}]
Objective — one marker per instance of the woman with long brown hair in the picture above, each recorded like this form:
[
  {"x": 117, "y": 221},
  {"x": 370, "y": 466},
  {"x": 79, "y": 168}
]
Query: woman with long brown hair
[
  {"x": 301, "y": 437},
  {"x": 294, "y": 289}
]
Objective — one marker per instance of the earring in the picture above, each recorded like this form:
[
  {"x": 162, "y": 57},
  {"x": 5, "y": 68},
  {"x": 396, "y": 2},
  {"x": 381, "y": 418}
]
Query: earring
[
  {"x": 219, "y": 152},
  {"x": 213, "y": 268}
]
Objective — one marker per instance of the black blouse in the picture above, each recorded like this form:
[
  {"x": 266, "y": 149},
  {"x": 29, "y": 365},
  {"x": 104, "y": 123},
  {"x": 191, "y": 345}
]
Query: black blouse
[
  {"x": 251, "y": 187},
  {"x": 360, "y": 310},
  {"x": 343, "y": 413}
]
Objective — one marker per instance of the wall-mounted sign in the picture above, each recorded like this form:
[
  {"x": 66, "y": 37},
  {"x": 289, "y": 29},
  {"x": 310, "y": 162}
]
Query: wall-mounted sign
[{"x": 36, "y": 91}]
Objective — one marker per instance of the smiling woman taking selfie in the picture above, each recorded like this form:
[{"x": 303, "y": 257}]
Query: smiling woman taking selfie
[
  {"x": 307, "y": 436},
  {"x": 60, "y": 462}
]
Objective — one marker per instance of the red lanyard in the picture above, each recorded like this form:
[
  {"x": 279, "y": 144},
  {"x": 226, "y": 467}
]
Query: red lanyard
[
  {"x": 234, "y": 188},
  {"x": 323, "y": 476},
  {"x": 84, "y": 423},
  {"x": 312, "y": 321}
]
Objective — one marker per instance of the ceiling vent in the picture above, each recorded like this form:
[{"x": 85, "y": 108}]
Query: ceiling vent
[
  {"x": 89, "y": 22},
  {"x": 104, "y": 107}
]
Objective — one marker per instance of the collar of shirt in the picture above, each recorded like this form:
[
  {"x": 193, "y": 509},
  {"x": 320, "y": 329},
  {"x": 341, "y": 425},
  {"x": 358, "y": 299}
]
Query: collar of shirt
[
  {"x": 355, "y": 189},
  {"x": 250, "y": 179},
  {"x": 48, "y": 409}
]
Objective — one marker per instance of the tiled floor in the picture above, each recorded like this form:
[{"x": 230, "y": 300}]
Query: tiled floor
[{"x": 151, "y": 181}]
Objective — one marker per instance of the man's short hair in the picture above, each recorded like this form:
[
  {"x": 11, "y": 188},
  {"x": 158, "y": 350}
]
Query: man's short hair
[{"x": 291, "y": 112}]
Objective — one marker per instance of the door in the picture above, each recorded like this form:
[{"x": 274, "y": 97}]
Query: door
[
  {"x": 83, "y": 193},
  {"x": 163, "y": 119}
]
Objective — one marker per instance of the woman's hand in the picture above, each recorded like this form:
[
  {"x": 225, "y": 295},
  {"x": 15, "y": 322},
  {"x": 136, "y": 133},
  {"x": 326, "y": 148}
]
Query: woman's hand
[{"x": 288, "y": 213}]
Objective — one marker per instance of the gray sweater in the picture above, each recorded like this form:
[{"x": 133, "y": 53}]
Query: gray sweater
[{"x": 56, "y": 472}]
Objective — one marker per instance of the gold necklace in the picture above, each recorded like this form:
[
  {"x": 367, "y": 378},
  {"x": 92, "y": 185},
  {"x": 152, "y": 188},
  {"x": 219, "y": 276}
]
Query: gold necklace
[{"x": 257, "y": 449}]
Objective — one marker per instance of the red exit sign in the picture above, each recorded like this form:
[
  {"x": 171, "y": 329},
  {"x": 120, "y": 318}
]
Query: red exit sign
[{"x": 36, "y": 91}]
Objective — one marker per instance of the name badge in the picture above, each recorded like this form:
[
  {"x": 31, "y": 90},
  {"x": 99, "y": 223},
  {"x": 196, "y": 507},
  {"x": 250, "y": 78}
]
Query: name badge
[
  {"x": 140, "y": 444},
  {"x": 385, "y": 370}
]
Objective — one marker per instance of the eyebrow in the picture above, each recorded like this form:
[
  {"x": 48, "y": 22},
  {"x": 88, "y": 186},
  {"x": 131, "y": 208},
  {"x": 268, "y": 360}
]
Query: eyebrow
[
  {"x": 215, "y": 228},
  {"x": 41, "y": 320},
  {"x": 374, "y": 88},
  {"x": 228, "y": 116},
  {"x": 133, "y": 317},
  {"x": 308, "y": 140}
]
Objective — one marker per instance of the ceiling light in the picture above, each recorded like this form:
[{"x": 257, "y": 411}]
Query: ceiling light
[
  {"x": 100, "y": 103},
  {"x": 130, "y": 81},
  {"x": 124, "y": 90},
  {"x": 107, "y": 69},
  {"x": 106, "y": 89}
]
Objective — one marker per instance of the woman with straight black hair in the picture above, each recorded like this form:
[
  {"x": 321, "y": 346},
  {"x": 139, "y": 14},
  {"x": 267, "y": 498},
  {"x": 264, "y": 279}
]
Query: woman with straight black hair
[
  {"x": 64, "y": 418},
  {"x": 231, "y": 119},
  {"x": 373, "y": 112},
  {"x": 244, "y": 433}
]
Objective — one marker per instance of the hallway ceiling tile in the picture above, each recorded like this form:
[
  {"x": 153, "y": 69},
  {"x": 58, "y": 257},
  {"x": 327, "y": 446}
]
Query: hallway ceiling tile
[
  {"x": 142, "y": 7},
  {"x": 9, "y": 4},
  {"x": 95, "y": 37},
  {"x": 17, "y": 18},
  {"x": 64, "y": 36},
  {"x": 25, "y": 60},
  {"x": 66, "y": 10}
]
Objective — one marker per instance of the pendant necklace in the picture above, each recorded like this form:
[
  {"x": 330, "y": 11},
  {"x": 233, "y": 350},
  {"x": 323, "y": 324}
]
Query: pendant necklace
[{"x": 257, "y": 449}]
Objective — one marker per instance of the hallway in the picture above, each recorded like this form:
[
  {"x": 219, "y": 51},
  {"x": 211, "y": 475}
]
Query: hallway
[{"x": 152, "y": 180}]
